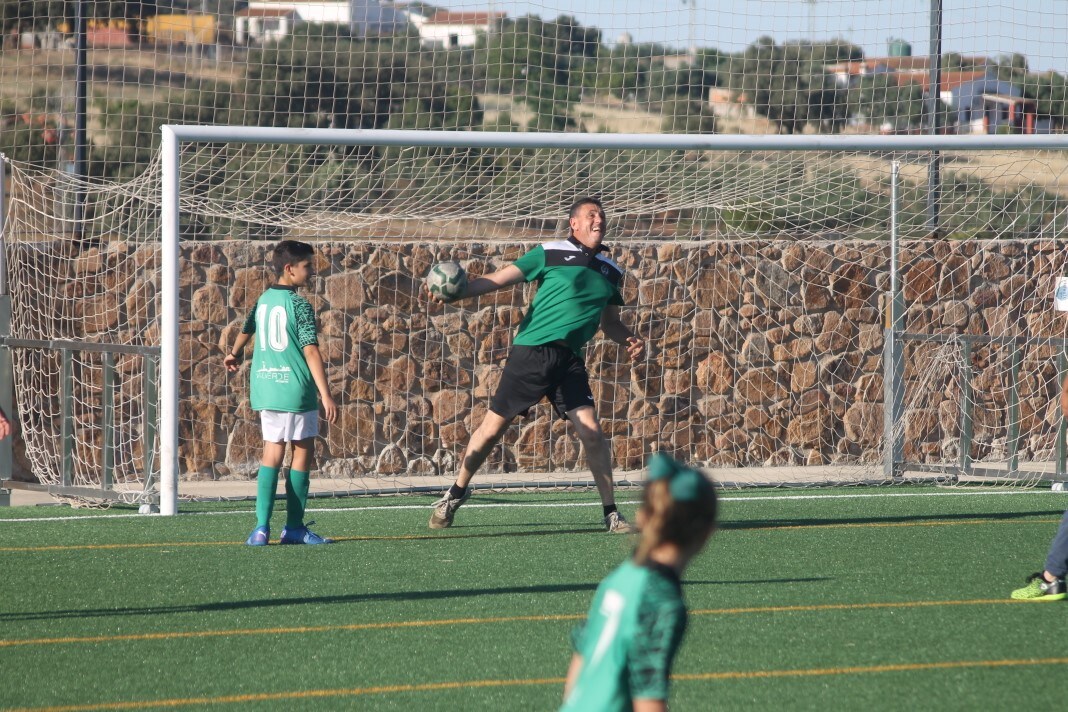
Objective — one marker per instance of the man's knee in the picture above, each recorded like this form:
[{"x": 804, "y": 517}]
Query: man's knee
[
  {"x": 493, "y": 427},
  {"x": 589, "y": 432}
]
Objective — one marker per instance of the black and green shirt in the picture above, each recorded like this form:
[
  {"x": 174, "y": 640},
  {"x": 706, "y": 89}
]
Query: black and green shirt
[
  {"x": 575, "y": 284},
  {"x": 283, "y": 323}
]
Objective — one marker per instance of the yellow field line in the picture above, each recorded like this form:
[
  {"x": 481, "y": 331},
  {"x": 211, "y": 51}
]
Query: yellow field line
[
  {"x": 178, "y": 635},
  {"x": 286, "y": 631},
  {"x": 861, "y": 670},
  {"x": 296, "y": 695},
  {"x": 477, "y": 684},
  {"x": 425, "y": 537},
  {"x": 854, "y": 606}
]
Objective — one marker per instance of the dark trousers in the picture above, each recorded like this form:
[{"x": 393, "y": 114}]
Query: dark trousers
[{"x": 1057, "y": 560}]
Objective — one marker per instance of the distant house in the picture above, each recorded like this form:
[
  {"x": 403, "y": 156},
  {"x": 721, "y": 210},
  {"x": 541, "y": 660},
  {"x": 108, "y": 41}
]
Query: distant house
[
  {"x": 270, "y": 20},
  {"x": 904, "y": 69},
  {"x": 1014, "y": 114},
  {"x": 262, "y": 25},
  {"x": 453, "y": 29},
  {"x": 676, "y": 61},
  {"x": 729, "y": 104},
  {"x": 989, "y": 105}
]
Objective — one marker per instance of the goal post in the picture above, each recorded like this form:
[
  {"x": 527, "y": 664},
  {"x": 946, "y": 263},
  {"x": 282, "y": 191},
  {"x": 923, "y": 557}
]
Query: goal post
[{"x": 747, "y": 400}]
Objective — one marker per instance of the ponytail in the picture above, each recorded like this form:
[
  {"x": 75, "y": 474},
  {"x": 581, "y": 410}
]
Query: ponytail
[{"x": 679, "y": 506}]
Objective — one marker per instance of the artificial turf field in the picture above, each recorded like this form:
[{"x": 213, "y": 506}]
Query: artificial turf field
[{"x": 820, "y": 599}]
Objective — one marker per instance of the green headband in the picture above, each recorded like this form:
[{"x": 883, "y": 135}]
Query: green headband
[{"x": 684, "y": 483}]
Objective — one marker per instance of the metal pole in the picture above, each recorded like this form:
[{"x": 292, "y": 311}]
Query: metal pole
[
  {"x": 81, "y": 92},
  {"x": 893, "y": 359},
  {"x": 1014, "y": 411},
  {"x": 934, "y": 167},
  {"x": 3, "y": 224},
  {"x": 66, "y": 409},
  {"x": 107, "y": 397},
  {"x": 965, "y": 442},
  {"x": 1062, "y": 422},
  {"x": 7, "y": 381},
  {"x": 693, "y": 30},
  {"x": 168, "y": 373}
]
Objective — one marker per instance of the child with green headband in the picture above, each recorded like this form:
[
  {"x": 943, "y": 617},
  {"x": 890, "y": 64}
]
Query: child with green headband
[{"x": 624, "y": 651}]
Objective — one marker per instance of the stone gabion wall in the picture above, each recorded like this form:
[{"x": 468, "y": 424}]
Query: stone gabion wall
[{"x": 760, "y": 352}]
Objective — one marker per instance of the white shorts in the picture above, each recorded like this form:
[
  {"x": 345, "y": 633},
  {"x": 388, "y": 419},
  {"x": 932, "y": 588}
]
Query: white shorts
[{"x": 279, "y": 427}]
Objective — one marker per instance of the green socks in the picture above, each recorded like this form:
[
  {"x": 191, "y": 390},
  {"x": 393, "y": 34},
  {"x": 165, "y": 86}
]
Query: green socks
[
  {"x": 296, "y": 498},
  {"x": 266, "y": 484}
]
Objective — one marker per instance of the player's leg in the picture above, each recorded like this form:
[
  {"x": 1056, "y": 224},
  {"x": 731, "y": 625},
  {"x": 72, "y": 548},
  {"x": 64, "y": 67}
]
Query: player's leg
[
  {"x": 266, "y": 485},
  {"x": 523, "y": 383},
  {"x": 599, "y": 459},
  {"x": 573, "y": 398},
  {"x": 298, "y": 481},
  {"x": 481, "y": 444},
  {"x": 304, "y": 428},
  {"x": 1049, "y": 585},
  {"x": 598, "y": 455}
]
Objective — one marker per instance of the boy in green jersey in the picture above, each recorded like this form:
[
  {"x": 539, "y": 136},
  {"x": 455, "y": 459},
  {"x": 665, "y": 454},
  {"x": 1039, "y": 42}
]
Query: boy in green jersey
[
  {"x": 578, "y": 294},
  {"x": 623, "y": 653},
  {"x": 288, "y": 380}
]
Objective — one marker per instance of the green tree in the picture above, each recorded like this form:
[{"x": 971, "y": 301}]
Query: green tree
[
  {"x": 129, "y": 129},
  {"x": 879, "y": 99},
  {"x": 34, "y": 14},
  {"x": 789, "y": 84},
  {"x": 619, "y": 73},
  {"x": 316, "y": 80},
  {"x": 682, "y": 83},
  {"x": 454, "y": 109},
  {"x": 1050, "y": 91},
  {"x": 535, "y": 62}
]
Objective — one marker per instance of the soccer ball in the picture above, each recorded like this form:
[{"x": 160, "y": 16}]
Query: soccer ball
[{"x": 447, "y": 280}]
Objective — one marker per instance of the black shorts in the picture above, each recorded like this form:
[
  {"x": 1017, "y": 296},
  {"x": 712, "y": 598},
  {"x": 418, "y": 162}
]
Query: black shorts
[{"x": 551, "y": 371}]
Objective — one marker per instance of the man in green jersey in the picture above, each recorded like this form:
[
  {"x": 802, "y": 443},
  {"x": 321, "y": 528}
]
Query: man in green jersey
[
  {"x": 578, "y": 293},
  {"x": 288, "y": 380}
]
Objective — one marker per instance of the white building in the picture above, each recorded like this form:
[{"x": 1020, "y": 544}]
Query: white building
[
  {"x": 454, "y": 29},
  {"x": 260, "y": 25},
  {"x": 270, "y": 20}
]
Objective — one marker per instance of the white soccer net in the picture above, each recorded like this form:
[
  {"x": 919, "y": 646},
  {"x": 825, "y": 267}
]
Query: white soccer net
[{"x": 759, "y": 277}]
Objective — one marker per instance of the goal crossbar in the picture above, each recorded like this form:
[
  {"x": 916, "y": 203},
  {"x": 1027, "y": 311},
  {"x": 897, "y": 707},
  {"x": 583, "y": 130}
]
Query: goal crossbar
[{"x": 173, "y": 136}]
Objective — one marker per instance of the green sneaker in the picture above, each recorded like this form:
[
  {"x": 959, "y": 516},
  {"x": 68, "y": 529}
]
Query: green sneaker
[{"x": 1038, "y": 589}]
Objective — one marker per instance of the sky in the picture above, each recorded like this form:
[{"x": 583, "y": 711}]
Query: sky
[{"x": 1037, "y": 29}]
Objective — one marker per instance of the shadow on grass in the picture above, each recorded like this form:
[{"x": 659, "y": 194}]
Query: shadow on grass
[
  {"x": 460, "y": 533},
  {"x": 918, "y": 519},
  {"x": 267, "y": 603}
]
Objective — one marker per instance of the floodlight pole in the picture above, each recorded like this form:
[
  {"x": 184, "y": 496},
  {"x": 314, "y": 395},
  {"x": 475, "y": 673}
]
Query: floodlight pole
[
  {"x": 934, "y": 167},
  {"x": 81, "y": 101}
]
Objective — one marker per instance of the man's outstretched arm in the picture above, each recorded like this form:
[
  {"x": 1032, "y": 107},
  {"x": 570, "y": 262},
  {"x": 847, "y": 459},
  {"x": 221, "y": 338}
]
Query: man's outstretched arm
[{"x": 478, "y": 286}]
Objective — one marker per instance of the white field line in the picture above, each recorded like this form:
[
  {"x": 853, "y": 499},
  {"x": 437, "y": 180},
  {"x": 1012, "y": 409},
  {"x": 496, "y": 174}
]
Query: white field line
[{"x": 553, "y": 505}]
